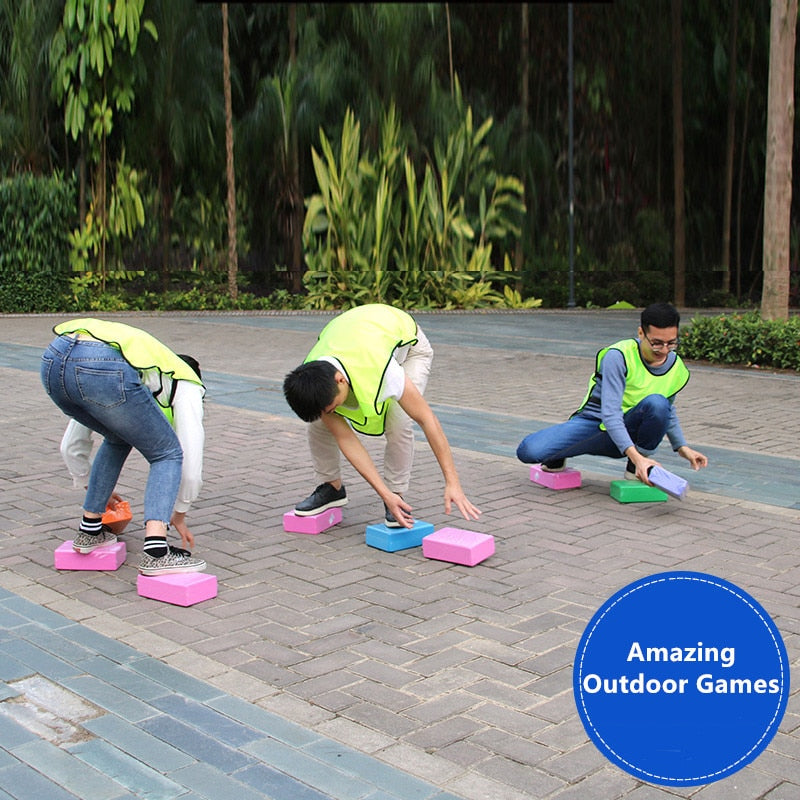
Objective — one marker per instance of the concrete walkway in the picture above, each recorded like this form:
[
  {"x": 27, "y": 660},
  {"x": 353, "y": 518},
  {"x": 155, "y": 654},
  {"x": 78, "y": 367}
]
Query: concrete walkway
[{"x": 328, "y": 669}]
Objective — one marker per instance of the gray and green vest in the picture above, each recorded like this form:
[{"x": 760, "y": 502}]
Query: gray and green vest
[{"x": 639, "y": 380}]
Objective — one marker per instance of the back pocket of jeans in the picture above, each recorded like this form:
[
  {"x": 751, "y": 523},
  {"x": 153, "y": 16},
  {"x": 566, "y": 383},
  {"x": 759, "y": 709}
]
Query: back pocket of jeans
[
  {"x": 102, "y": 387},
  {"x": 44, "y": 371}
]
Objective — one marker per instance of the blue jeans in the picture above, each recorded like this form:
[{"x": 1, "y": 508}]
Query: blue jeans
[
  {"x": 91, "y": 382},
  {"x": 580, "y": 435}
]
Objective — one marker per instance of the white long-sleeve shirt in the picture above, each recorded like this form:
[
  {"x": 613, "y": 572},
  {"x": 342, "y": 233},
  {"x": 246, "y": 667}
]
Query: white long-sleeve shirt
[{"x": 187, "y": 405}]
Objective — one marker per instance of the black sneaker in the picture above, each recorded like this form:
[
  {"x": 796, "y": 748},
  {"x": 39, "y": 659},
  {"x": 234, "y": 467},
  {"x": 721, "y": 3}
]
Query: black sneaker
[
  {"x": 389, "y": 519},
  {"x": 556, "y": 465},
  {"x": 630, "y": 471},
  {"x": 321, "y": 499}
]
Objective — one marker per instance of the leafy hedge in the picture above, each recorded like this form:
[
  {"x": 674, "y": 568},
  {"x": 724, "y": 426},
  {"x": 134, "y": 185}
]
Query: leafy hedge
[
  {"x": 743, "y": 339},
  {"x": 35, "y": 217}
]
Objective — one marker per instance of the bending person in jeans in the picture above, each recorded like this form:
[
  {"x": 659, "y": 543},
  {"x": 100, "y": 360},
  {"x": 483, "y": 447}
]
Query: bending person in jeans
[
  {"x": 367, "y": 373},
  {"x": 134, "y": 391},
  {"x": 629, "y": 406}
]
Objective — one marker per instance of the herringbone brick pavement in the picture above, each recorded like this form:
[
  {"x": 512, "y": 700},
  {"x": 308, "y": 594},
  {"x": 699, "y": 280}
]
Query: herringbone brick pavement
[{"x": 460, "y": 676}]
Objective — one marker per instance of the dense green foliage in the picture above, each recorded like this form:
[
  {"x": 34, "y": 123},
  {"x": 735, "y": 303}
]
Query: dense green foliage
[
  {"x": 373, "y": 235},
  {"x": 137, "y": 121},
  {"x": 35, "y": 217},
  {"x": 743, "y": 339}
]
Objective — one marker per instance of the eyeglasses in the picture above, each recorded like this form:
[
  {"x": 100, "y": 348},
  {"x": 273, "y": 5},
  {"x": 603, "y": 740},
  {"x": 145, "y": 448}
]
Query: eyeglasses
[{"x": 657, "y": 344}]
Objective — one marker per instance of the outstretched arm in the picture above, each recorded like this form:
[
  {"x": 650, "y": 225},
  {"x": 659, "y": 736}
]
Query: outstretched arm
[
  {"x": 643, "y": 463},
  {"x": 695, "y": 458},
  {"x": 357, "y": 455},
  {"x": 415, "y": 405}
]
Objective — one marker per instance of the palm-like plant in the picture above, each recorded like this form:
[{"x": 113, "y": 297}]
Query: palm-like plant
[
  {"x": 372, "y": 238},
  {"x": 26, "y": 28}
]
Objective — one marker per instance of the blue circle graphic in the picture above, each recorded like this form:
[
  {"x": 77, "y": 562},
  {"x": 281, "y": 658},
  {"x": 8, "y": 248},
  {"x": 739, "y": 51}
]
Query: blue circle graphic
[{"x": 681, "y": 678}]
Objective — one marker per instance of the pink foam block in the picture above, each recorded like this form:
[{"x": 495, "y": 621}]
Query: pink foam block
[
  {"x": 180, "y": 589},
  {"x": 314, "y": 523},
  {"x": 458, "y": 546},
  {"x": 105, "y": 557},
  {"x": 567, "y": 479},
  {"x": 668, "y": 481}
]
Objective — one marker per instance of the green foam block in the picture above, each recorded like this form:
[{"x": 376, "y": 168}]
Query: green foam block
[{"x": 636, "y": 492}]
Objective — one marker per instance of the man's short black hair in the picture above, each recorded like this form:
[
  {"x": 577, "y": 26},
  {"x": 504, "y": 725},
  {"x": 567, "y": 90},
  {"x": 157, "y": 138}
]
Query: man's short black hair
[
  {"x": 660, "y": 315},
  {"x": 310, "y": 389}
]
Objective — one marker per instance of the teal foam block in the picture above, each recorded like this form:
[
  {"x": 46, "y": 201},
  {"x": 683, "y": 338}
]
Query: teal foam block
[{"x": 393, "y": 539}]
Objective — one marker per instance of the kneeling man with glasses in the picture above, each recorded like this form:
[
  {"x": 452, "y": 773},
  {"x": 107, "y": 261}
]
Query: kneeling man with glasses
[{"x": 629, "y": 406}]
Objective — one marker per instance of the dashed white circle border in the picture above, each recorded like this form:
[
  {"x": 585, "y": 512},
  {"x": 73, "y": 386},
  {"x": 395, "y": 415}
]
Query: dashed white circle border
[{"x": 740, "y": 595}]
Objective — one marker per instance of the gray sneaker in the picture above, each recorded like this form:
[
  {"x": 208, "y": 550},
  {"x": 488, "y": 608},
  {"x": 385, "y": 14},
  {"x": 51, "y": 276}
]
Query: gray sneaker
[
  {"x": 86, "y": 542},
  {"x": 175, "y": 561},
  {"x": 321, "y": 499}
]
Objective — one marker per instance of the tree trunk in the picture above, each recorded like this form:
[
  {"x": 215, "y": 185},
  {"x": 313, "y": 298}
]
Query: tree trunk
[
  {"x": 166, "y": 194},
  {"x": 679, "y": 255},
  {"x": 82, "y": 181},
  {"x": 233, "y": 260},
  {"x": 297, "y": 209},
  {"x": 524, "y": 102},
  {"x": 778, "y": 170},
  {"x": 742, "y": 151},
  {"x": 729, "y": 148}
]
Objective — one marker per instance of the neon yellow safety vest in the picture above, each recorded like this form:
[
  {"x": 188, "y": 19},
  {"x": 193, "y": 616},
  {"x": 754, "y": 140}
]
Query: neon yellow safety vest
[
  {"x": 639, "y": 380},
  {"x": 363, "y": 340},
  {"x": 141, "y": 350}
]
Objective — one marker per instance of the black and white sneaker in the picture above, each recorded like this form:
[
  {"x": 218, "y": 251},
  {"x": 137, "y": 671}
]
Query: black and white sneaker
[
  {"x": 86, "y": 542},
  {"x": 175, "y": 561},
  {"x": 321, "y": 499},
  {"x": 630, "y": 471},
  {"x": 556, "y": 465}
]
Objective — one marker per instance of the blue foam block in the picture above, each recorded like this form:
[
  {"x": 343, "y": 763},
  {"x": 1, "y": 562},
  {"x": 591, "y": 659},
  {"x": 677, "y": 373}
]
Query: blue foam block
[{"x": 393, "y": 539}]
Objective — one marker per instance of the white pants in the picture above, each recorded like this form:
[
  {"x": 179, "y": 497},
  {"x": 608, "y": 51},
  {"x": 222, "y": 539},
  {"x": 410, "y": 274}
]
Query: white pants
[{"x": 398, "y": 455}]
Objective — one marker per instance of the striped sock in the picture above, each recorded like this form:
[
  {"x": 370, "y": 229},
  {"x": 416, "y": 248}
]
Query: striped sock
[
  {"x": 155, "y": 546},
  {"x": 91, "y": 525}
]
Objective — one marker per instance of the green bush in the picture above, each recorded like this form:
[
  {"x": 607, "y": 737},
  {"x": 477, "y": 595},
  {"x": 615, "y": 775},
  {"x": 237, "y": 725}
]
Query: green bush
[
  {"x": 634, "y": 270},
  {"x": 744, "y": 339},
  {"x": 36, "y": 215}
]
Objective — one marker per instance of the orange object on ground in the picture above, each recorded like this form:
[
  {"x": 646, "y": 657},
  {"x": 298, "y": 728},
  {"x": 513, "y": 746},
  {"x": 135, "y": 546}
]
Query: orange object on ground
[{"x": 116, "y": 518}]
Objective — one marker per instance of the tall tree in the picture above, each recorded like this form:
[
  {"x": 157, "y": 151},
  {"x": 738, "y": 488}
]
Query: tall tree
[
  {"x": 295, "y": 196},
  {"x": 729, "y": 149},
  {"x": 279, "y": 122},
  {"x": 233, "y": 258},
  {"x": 778, "y": 170},
  {"x": 176, "y": 130},
  {"x": 679, "y": 253},
  {"x": 750, "y": 28},
  {"x": 525, "y": 114}
]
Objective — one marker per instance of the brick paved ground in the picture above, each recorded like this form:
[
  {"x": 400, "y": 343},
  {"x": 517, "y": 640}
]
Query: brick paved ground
[{"x": 347, "y": 671}]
